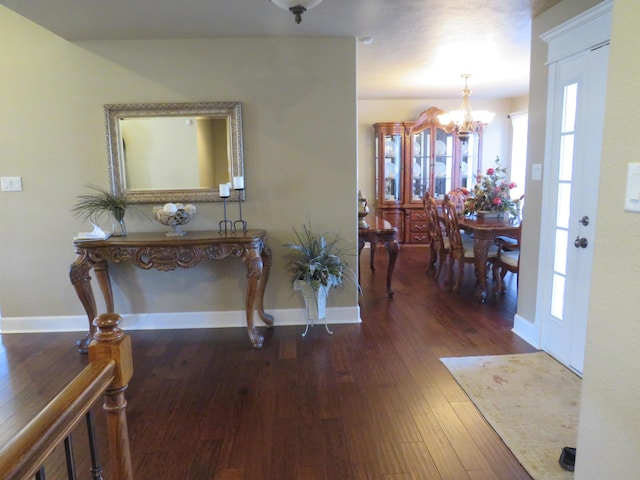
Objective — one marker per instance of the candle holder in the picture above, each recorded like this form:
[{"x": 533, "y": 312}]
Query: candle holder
[
  {"x": 241, "y": 221},
  {"x": 222, "y": 224}
]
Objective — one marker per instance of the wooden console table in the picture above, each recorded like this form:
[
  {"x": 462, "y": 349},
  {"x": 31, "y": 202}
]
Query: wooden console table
[
  {"x": 156, "y": 250},
  {"x": 379, "y": 230}
]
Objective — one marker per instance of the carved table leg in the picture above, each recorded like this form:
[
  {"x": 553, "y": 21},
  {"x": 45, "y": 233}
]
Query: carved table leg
[
  {"x": 481, "y": 253},
  {"x": 101, "y": 270},
  {"x": 81, "y": 281},
  {"x": 392, "y": 253},
  {"x": 361, "y": 242},
  {"x": 262, "y": 285},
  {"x": 374, "y": 243},
  {"x": 253, "y": 261}
]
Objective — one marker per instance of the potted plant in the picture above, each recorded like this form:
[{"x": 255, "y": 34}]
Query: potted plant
[
  {"x": 317, "y": 265},
  {"x": 91, "y": 205}
]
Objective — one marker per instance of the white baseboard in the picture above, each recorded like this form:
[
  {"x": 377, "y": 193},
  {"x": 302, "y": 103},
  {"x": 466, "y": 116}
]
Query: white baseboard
[
  {"x": 526, "y": 330},
  {"x": 168, "y": 321}
]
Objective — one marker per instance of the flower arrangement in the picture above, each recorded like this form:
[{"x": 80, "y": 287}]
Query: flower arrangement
[
  {"x": 317, "y": 260},
  {"x": 492, "y": 193}
]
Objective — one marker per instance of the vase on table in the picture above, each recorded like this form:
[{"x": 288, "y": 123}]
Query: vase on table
[
  {"x": 489, "y": 214},
  {"x": 363, "y": 210},
  {"x": 118, "y": 214}
]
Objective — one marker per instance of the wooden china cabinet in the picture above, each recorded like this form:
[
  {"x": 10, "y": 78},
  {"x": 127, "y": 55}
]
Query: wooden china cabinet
[{"x": 415, "y": 157}]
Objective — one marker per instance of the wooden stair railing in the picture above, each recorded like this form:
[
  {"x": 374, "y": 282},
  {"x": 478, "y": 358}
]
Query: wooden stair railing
[{"x": 109, "y": 371}]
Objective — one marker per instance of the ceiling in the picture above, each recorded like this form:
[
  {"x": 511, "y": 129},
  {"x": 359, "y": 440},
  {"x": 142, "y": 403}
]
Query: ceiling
[{"x": 419, "y": 49}]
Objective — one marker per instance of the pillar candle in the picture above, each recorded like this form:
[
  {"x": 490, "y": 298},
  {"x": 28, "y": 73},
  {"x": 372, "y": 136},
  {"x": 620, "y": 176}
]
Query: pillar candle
[
  {"x": 224, "y": 190},
  {"x": 238, "y": 183}
]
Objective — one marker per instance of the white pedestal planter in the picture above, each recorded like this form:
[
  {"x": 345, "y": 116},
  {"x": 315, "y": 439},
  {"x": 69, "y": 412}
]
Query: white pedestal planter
[{"x": 315, "y": 300}]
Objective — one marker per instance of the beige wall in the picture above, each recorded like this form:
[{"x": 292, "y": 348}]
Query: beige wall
[
  {"x": 299, "y": 124},
  {"x": 609, "y": 434}
]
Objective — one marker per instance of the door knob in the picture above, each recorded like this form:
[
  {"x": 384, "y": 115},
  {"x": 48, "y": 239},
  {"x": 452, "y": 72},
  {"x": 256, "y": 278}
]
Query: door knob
[
  {"x": 581, "y": 242},
  {"x": 584, "y": 221}
]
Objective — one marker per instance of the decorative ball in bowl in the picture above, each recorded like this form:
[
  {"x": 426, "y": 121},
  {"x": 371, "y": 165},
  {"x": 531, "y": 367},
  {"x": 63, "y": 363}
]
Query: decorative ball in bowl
[{"x": 174, "y": 215}]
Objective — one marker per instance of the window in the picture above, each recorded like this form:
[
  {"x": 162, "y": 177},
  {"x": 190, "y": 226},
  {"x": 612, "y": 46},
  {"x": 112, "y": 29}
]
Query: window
[{"x": 519, "y": 122}]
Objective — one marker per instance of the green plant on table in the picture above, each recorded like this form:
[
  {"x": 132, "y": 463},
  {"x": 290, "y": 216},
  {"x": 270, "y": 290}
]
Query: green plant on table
[{"x": 90, "y": 206}]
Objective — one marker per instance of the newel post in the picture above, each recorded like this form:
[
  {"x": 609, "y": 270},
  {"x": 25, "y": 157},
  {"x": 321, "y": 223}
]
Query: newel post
[{"x": 111, "y": 343}]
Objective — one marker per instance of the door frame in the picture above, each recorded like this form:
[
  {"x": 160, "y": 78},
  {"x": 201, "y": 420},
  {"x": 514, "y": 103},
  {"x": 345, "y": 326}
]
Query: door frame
[{"x": 570, "y": 39}]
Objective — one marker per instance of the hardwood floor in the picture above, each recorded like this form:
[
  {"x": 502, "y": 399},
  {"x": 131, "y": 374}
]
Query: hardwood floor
[{"x": 371, "y": 401}]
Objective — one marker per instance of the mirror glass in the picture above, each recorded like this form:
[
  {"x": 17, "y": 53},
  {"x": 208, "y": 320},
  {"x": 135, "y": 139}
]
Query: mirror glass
[{"x": 174, "y": 152}]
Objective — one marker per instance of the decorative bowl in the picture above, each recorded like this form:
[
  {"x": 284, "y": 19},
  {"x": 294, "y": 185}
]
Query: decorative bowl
[{"x": 174, "y": 215}]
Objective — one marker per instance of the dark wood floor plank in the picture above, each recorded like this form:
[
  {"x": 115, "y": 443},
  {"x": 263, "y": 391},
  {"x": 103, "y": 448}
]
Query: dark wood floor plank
[
  {"x": 391, "y": 406},
  {"x": 419, "y": 461},
  {"x": 440, "y": 448},
  {"x": 493, "y": 449},
  {"x": 372, "y": 401},
  {"x": 462, "y": 443},
  {"x": 334, "y": 445},
  {"x": 205, "y": 459}
]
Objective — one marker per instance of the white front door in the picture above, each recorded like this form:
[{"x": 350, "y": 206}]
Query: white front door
[{"x": 577, "y": 88}]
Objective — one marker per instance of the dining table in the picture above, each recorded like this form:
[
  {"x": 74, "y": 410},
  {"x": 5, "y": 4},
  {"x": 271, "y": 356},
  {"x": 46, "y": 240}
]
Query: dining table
[
  {"x": 485, "y": 231},
  {"x": 377, "y": 231}
]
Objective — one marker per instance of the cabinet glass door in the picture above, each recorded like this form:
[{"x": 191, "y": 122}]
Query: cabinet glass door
[
  {"x": 469, "y": 162},
  {"x": 392, "y": 171},
  {"x": 420, "y": 168},
  {"x": 443, "y": 165}
]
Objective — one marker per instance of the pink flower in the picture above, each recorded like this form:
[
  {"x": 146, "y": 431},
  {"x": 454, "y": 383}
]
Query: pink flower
[
  {"x": 512, "y": 185},
  {"x": 497, "y": 201},
  {"x": 490, "y": 171}
]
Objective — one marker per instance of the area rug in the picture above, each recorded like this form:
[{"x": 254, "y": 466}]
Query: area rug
[{"x": 530, "y": 400}]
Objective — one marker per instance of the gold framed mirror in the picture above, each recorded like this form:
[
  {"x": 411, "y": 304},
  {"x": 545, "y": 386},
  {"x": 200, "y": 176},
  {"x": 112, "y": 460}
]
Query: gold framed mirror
[{"x": 174, "y": 152}]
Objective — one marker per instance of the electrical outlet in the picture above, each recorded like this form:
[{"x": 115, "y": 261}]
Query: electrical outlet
[{"x": 11, "y": 184}]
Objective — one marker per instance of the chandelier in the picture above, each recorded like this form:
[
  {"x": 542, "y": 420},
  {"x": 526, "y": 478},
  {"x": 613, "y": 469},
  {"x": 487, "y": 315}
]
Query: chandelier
[
  {"x": 465, "y": 121},
  {"x": 297, "y": 7}
]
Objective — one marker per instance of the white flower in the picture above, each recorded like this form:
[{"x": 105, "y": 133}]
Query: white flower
[{"x": 170, "y": 208}]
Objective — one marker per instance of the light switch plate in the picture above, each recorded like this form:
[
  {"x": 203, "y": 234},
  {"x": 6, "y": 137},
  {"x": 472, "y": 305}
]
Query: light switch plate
[
  {"x": 11, "y": 184},
  {"x": 632, "y": 193},
  {"x": 536, "y": 171}
]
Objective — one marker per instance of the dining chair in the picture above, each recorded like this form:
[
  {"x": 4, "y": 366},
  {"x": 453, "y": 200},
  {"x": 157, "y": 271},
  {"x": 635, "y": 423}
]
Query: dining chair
[
  {"x": 458, "y": 197},
  {"x": 507, "y": 260},
  {"x": 438, "y": 243},
  {"x": 459, "y": 251},
  {"x": 509, "y": 243}
]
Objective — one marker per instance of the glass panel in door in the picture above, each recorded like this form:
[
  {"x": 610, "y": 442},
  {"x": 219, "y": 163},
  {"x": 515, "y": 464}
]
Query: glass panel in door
[
  {"x": 443, "y": 164},
  {"x": 421, "y": 148},
  {"x": 565, "y": 161},
  {"x": 392, "y": 167}
]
